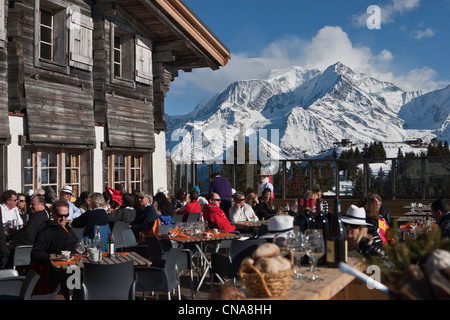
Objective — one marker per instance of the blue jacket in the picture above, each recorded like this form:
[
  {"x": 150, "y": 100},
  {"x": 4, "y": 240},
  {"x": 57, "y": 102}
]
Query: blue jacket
[{"x": 89, "y": 219}]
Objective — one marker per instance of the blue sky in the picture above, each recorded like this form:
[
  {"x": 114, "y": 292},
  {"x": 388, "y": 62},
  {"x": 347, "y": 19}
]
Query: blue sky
[{"x": 411, "y": 48}]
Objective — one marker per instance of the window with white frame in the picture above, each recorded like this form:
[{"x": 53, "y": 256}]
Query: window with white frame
[
  {"x": 63, "y": 36},
  {"x": 131, "y": 58},
  {"x": 51, "y": 168},
  {"x": 123, "y": 171}
]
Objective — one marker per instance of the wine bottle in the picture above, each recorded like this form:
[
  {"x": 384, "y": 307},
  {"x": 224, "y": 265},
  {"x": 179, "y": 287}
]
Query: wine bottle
[
  {"x": 111, "y": 246},
  {"x": 337, "y": 238},
  {"x": 309, "y": 214},
  {"x": 321, "y": 223},
  {"x": 301, "y": 218}
]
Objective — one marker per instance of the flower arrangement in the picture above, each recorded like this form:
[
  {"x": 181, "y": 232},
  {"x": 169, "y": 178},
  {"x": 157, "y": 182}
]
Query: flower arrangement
[{"x": 417, "y": 268}]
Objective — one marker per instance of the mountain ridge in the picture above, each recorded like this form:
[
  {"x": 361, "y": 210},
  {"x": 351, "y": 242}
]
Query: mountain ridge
[{"x": 311, "y": 110}]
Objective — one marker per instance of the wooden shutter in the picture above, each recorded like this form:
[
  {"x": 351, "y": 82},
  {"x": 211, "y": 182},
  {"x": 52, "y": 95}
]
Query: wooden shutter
[
  {"x": 80, "y": 40},
  {"x": 143, "y": 54},
  {"x": 2, "y": 23}
]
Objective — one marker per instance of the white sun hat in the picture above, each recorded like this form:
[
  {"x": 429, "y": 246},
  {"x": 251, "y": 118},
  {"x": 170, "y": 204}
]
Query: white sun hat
[{"x": 355, "y": 215}]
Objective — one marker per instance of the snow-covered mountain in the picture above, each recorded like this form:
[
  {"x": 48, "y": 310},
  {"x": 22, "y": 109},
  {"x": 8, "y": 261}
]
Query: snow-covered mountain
[{"x": 305, "y": 111}]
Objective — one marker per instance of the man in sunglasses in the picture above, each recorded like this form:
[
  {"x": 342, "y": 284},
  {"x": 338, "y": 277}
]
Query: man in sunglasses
[
  {"x": 9, "y": 209},
  {"x": 39, "y": 219},
  {"x": 56, "y": 237},
  {"x": 214, "y": 215},
  {"x": 146, "y": 217}
]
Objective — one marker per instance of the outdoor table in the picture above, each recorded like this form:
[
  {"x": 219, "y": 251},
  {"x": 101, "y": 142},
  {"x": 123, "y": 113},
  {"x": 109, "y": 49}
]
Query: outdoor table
[
  {"x": 198, "y": 241},
  {"x": 248, "y": 227},
  {"x": 333, "y": 282},
  {"x": 138, "y": 260}
]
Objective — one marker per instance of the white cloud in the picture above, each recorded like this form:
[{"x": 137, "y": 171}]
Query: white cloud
[
  {"x": 420, "y": 34},
  {"x": 330, "y": 45},
  {"x": 389, "y": 12}
]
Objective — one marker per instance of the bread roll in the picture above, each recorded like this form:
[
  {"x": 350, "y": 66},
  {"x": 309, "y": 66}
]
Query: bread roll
[
  {"x": 268, "y": 265},
  {"x": 265, "y": 250},
  {"x": 283, "y": 263}
]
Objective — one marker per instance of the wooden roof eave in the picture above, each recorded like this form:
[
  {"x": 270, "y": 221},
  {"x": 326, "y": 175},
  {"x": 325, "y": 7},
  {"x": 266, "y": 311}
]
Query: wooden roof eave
[{"x": 207, "y": 45}]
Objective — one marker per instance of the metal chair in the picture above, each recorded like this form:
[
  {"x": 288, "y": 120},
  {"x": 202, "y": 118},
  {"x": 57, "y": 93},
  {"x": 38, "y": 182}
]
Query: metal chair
[
  {"x": 22, "y": 256},
  {"x": 109, "y": 281},
  {"x": 163, "y": 279},
  {"x": 228, "y": 265},
  {"x": 118, "y": 227}
]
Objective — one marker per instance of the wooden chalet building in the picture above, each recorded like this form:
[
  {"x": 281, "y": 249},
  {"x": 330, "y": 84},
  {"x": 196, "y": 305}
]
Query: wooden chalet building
[{"x": 83, "y": 86}]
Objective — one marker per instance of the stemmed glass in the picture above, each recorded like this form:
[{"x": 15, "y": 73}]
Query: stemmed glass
[
  {"x": 80, "y": 247},
  {"x": 315, "y": 250},
  {"x": 297, "y": 244}
]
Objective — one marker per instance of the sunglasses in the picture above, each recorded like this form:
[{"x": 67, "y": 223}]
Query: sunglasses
[
  {"x": 243, "y": 199},
  {"x": 15, "y": 200},
  {"x": 21, "y": 200},
  {"x": 353, "y": 226},
  {"x": 62, "y": 215}
]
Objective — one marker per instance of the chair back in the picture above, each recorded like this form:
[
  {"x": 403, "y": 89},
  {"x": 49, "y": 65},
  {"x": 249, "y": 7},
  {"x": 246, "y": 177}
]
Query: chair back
[
  {"x": 22, "y": 256},
  {"x": 154, "y": 248},
  {"x": 129, "y": 238},
  {"x": 6, "y": 273},
  {"x": 171, "y": 267},
  {"x": 193, "y": 216},
  {"x": 79, "y": 232},
  {"x": 105, "y": 231},
  {"x": 28, "y": 285},
  {"x": 119, "y": 226},
  {"x": 49, "y": 296},
  {"x": 165, "y": 228},
  {"x": 177, "y": 218},
  {"x": 10, "y": 287},
  {"x": 109, "y": 281}
]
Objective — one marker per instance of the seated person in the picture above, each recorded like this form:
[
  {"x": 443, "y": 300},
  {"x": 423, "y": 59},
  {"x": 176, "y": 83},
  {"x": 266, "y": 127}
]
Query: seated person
[
  {"x": 192, "y": 206},
  {"x": 264, "y": 209},
  {"x": 145, "y": 219},
  {"x": 126, "y": 211},
  {"x": 215, "y": 216},
  {"x": 96, "y": 216},
  {"x": 241, "y": 211},
  {"x": 53, "y": 239},
  {"x": 39, "y": 219},
  {"x": 359, "y": 238}
]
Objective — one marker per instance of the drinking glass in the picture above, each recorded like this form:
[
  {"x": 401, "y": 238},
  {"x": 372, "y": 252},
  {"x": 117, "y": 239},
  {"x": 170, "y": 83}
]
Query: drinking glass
[
  {"x": 315, "y": 250},
  {"x": 297, "y": 244},
  {"x": 80, "y": 247}
]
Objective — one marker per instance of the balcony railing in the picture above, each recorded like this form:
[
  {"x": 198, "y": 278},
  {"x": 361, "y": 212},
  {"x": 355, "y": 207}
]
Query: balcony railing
[{"x": 392, "y": 178}]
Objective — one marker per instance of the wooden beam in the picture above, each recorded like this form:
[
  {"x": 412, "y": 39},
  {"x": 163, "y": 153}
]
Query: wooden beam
[{"x": 163, "y": 56}]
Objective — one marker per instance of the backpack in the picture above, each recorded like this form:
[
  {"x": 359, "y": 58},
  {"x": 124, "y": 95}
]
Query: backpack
[{"x": 166, "y": 220}]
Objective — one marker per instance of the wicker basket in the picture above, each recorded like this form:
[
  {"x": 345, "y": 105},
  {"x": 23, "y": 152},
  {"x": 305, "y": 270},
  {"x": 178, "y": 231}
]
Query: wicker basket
[{"x": 263, "y": 285}]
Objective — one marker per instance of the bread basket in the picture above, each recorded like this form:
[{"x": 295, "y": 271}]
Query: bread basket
[{"x": 267, "y": 285}]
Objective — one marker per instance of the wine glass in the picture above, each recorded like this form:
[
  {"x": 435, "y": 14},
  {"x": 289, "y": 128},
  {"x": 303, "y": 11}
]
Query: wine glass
[
  {"x": 297, "y": 244},
  {"x": 80, "y": 247},
  {"x": 315, "y": 250}
]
